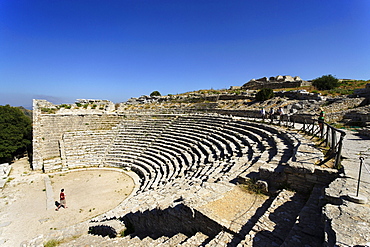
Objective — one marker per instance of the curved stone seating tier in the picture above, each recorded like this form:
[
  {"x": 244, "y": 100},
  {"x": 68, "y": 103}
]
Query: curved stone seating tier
[
  {"x": 218, "y": 131},
  {"x": 155, "y": 168},
  {"x": 279, "y": 149},
  {"x": 283, "y": 142},
  {"x": 216, "y": 144},
  {"x": 203, "y": 150},
  {"x": 185, "y": 161},
  {"x": 184, "y": 145},
  {"x": 203, "y": 127},
  {"x": 197, "y": 147}
]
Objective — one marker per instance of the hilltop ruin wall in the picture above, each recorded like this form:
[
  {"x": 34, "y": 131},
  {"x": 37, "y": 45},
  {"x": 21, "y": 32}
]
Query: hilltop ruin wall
[{"x": 276, "y": 82}]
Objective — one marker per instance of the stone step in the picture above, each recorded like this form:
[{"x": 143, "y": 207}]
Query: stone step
[
  {"x": 274, "y": 226},
  {"x": 195, "y": 240},
  {"x": 174, "y": 240},
  {"x": 308, "y": 229},
  {"x": 222, "y": 239}
]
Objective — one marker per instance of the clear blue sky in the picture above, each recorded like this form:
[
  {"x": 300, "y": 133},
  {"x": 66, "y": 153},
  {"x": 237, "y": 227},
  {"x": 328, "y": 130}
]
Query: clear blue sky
[{"x": 61, "y": 50}]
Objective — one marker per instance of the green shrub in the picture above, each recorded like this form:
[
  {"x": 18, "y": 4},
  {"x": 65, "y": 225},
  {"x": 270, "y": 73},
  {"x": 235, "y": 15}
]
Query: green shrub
[
  {"x": 155, "y": 93},
  {"x": 48, "y": 110},
  {"x": 15, "y": 133},
  {"x": 326, "y": 82},
  {"x": 253, "y": 187},
  {"x": 264, "y": 94},
  {"x": 65, "y": 106},
  {"x": 52, "y": 243}
]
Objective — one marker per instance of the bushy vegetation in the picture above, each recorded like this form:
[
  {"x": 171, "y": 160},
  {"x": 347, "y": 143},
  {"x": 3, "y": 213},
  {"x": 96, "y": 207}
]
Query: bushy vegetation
[
  {"x": 52, "y": 243},
  {"x": 65, "y": 106},
  {"x": 48, "y": 110},
  {"x": 326, "y": 82},
  {"x": 15, "y": 133},
  {"x": 155, "y": 93},
  {"x": 264, "y": 94},
  {"x": 253, "y": 187}
]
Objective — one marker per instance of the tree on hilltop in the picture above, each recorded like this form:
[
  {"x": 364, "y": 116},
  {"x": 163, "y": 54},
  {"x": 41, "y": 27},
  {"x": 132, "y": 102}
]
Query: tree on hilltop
[
  {"x": 15, "y": 133},
  {"x": 264, "y": 94},
  {"x": 326, "y": 82},
  {"x": 155, "y": 93}
]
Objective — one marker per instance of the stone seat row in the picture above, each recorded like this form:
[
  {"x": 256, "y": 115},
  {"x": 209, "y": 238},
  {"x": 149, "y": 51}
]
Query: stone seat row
[
  {"x": 178, "y": 137},
  {"x": 203, "y": 167},
  {"x": 191, "y": 150}
]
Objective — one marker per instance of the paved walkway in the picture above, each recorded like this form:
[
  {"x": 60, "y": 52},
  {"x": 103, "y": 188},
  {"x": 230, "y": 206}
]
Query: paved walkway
[
  {"x": 348, "y": 223},
  {"x": 49, "y": 193},
  {"x": 356, "y": 146}
]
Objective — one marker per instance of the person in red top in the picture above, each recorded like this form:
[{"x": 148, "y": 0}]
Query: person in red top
[{"x": 63, "y": 202}]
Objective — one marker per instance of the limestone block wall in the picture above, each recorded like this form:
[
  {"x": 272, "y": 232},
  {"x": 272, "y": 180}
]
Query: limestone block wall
[
  {"x": 85, "y": 148},
  {"x": 48, "y": 131},
  {"x": 50, "y": 128}
]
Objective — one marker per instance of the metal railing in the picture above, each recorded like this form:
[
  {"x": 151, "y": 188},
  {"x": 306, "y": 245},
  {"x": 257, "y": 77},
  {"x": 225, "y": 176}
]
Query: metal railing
[{"x": 330, "y": 136}]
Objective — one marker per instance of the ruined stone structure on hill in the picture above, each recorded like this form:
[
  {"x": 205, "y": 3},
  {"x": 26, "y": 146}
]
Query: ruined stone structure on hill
[
  {"x": 184, "y": 162},
  {"x": 365, "y": 92},
  {"x": 279, "y": 81}
]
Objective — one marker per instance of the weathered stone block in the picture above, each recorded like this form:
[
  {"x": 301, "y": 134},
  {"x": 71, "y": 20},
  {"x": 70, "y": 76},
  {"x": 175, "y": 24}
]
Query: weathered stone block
[
  {"x": 307, "y": 167},
  {"x": 293, "y": 167},
  {"x": 311, "y": 178},
  {"x": 322, "y": 170}
]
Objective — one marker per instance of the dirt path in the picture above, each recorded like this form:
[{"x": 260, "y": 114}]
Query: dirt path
[{"x": 23, "y": 205}]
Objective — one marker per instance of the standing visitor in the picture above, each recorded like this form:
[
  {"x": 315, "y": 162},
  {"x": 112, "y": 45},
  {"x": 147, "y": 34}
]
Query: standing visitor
[
  {"x": 63, "y": 202},
  {"x": 263, "y": 114},
  {"x": 280, "y": 113},
  {"x": 271, "y": 113},
  {"x": 321, "y": 120}
]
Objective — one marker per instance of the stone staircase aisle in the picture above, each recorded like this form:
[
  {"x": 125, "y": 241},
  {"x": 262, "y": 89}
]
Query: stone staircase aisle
[
  {"x": 180, "y": 239},
  {"x": 274, "y": 226},
  {"x": 308, "y": 229}
]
